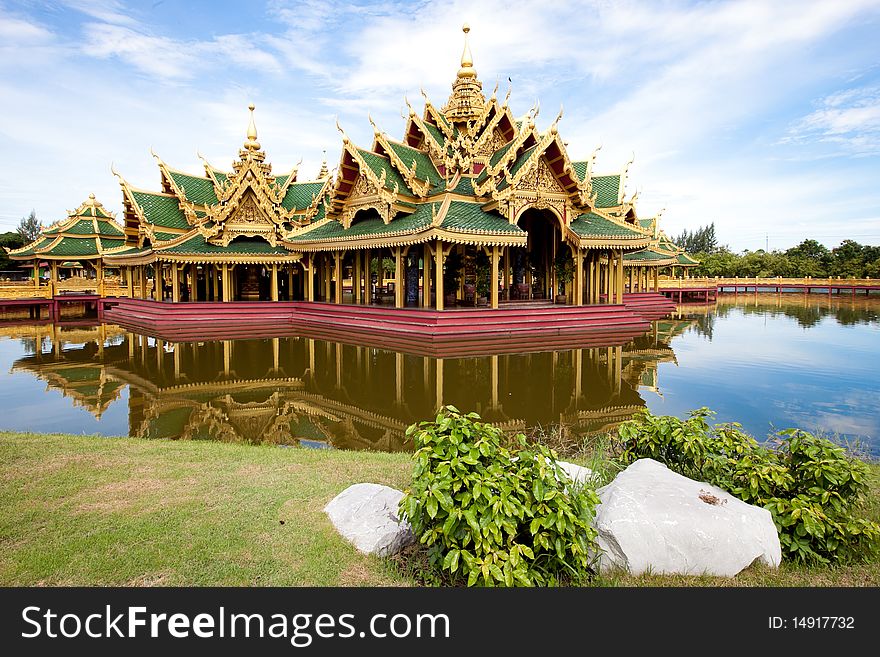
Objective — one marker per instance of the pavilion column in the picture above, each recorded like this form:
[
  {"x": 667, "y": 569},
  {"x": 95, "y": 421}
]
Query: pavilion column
[
  {"x": 398, "y": 277},
  {"x": 129, "y": 283},
  {"x": 620, "y": 276},
  {"x": 656, "y": 279},
  {"x": 368, "y": 277},
  {"x": 337, "y": 276},
  {"x": 426, "y": 276},
  {"x": 310, "y": 278},
  {"x": 438, "y": 271},
  {"x": 493, "y": 281},
  {"x": 578, "y": 287},
  {"x": 175, "y": 282},
  {"x": 143, "y": 281},
  {"x": 194, "y": 274},
  {"x": 290, "y": 281},
  {"x": 273, "y": 287},
  {"x": 214, "y": 292},
  {"x": 356, "y": 275},
  {"x": 37, "y": 274},
  {"x": 380, "y": 272},
  {"x": 325, "y": 276},
  {"x": 506, "y": 259}
]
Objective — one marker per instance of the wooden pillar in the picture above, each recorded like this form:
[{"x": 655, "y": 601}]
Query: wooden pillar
[
  {"x": 426, "y": 275},
  {"x": 356, "y": 275},
  {"x": 337, "y": 276},
  {"x": 37, "y": 274},
  {"x": 129, "y": 282},
  {"x": 175, "y": 282},
  {"x": 53, "y": 276},
  {"x": 325, "y": 276},
  {"x": 398, "y": 373},
  {"x": 578, "y": 287},
  {"x": 142, "y": 274},
  {"x": 657, "y": 279},
  {"x": 398, "y": 277},
  {"x": 310, "y": 278},
  {"x": 273, "y": 284},
  {"x": 438, "y": 272},
  {"x": 368, "y": 276},
  {"x": 493, "y": 280},
  {"x": 290, "y": 281},
  {"x": 215, "y": 287},
  {"x": 620, "y": 277}
]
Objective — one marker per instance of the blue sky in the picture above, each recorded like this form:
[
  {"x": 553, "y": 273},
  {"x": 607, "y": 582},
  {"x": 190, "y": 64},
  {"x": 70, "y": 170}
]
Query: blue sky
[{"x": 763, "y": 117}]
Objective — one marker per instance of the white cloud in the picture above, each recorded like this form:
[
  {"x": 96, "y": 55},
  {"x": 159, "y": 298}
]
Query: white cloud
[{"x": 849, "y": 119}]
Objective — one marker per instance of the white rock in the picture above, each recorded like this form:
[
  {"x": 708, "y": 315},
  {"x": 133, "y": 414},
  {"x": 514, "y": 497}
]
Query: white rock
[
  {"x": 653, "y": 519},
  {"x": 367, "y": 515},
  {"x": 577, "y": 473}
]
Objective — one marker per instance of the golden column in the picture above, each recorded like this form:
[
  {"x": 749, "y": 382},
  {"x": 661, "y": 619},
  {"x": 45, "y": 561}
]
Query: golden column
[
  {"x": 273, "y": 287},
  {"x": 310, "y": 278},
  {"x": 175, "y": 282},
  {"x": 398, "y": 277},
  {"x": 356, "y": 275},
  {"x": 438, "y": 270},
  {"x": 493, "y": 280},
  {"x": 368, "y": 276},
  {"x": 337, "y": 277}
]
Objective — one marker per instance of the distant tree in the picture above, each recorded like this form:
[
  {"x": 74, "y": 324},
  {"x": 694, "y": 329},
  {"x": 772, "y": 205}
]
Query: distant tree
[
  {"x": 701, "y": 240},
  {"x": 29, "y": 227},
  {"x": 10, "y": 240}
]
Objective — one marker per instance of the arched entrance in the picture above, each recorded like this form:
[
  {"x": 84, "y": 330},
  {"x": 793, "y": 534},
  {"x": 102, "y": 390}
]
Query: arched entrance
[{"x": 533, "y": 266}]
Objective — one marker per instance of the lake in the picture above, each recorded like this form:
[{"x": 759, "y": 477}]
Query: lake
[{"x": 769, "y": 361}]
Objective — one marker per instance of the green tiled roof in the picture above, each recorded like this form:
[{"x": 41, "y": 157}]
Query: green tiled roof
[
  {"x": 197, "y": 189},
  {"x": 517, "y": 165},
  {"x": 220, "y": 176},
  {"x": 592, "y": 225},
  {"x": 465, "y": 187},
  {"x": 436, "y": 133},
  {"x": 109, "y": 228},
  {"x": 161, "y": 210},
  {"x": 372, "y": 226},
  {"x": 72, "y": 246},
  {"x": 463, "y": 216},
  {"x": 131, "y": 250},
  {"x": 501, "y": 152},
  {"x": 299, "y": 195},
  {"x": 377, "y": 163},
  {"x": 646, "y": 223},
  {"x": 245, "y": 246},
  {"x": 164, "y": 237},
  {"x": 646, "y": 255},
  {"x": 580, "y": 169},
  {"x": 606, "y": 189},
  {"x": 30, "y": 249},
  {"x": 425, "y": 169},
  {"x": 108, "y": 243},
  {"x": 281, "y": 181},
  {"x": 685, "y": 259},
  {"x": 81, "y": 227}
]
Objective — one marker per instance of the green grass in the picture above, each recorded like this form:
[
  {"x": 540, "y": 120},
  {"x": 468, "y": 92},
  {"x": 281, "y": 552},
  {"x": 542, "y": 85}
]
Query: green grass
[
  {"x": 81, "y": 510},
  {"x": 84, "y": 510}
]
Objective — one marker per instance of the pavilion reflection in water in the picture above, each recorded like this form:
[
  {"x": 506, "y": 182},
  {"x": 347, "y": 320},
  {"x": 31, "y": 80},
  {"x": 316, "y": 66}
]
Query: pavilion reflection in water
[{"x": 299, "y": 390}]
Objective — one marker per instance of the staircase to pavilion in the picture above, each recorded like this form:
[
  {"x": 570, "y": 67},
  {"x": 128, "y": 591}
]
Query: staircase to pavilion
[{"x": 649, "y": 305}]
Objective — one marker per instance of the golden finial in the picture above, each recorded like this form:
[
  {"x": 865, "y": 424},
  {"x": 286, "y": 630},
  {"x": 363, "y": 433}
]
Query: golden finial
[
  {"x": 324, "y": 173},
  {"x": 252, "y": 144},
  {"x": 467, "y": 61}
]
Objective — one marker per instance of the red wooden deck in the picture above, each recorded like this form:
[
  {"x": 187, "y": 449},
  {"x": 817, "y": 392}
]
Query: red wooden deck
[{"x": 427, "y": 332}]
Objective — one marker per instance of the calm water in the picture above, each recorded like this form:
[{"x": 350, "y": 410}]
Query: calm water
[{"x": 768, "y": 361}]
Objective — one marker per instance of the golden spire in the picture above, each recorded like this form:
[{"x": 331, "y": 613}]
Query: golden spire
[
  {"x": 323, "y": 173},
  {"x": 467, "y": 60},
  {"x": 252, "y": 144},
  {"x": 467, "y": 100}
]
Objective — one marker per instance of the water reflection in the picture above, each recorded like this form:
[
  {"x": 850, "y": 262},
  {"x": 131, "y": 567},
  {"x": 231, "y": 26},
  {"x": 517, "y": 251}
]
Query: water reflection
[{"x": 299, "y": 390}]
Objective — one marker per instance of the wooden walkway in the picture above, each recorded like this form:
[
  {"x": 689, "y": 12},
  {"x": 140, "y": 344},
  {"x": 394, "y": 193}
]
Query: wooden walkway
[{"x": 707, "y": 288}]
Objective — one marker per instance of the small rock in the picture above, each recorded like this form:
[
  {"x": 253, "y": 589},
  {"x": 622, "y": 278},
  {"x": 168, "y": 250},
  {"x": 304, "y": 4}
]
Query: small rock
[
  {"x": 577, "y": 473},
  {"x": 653, "y": 519},
  {"x": 367, "y": 515}
]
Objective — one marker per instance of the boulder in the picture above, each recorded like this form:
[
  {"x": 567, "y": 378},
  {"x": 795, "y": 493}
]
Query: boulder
[
  {"x": 653, "y": 519},
  {"x": 367, "y": 515},
  {"x": 577, "y": 473}
]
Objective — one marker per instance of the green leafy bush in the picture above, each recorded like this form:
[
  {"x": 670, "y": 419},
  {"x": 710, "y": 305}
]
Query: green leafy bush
[
  {"x": 809, "y": 484},
  {"x": 494, "y": 515}
]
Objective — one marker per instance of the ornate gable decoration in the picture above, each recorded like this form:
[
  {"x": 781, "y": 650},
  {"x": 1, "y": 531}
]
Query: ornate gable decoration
[{"x": 250, "y": 202}]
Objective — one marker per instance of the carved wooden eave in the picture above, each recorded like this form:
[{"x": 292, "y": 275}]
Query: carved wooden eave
[
  {"x": 356, "y": 177},
  {"x": 436, "y": 150},
  {"x": 439, "y": 120},
  {"x": 419, "y": 186},
  {"x": 501, "y": 167}
]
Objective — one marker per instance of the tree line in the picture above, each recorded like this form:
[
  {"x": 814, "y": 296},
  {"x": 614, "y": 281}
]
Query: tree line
[{"x": 809, "y": 258}]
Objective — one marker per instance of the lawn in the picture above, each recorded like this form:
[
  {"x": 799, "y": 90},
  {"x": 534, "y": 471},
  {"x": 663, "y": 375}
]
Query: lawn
[{"x": 85, "y": 510}]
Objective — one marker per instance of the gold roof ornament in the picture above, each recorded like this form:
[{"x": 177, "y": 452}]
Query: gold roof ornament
[
  {"x": 467, "y": 101},
  {"x": 324, "y": 173},
  {"x": 252, "y": 144}
]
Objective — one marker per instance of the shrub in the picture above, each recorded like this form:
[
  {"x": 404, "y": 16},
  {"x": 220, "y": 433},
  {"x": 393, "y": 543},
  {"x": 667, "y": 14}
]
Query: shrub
[
  {"x": 495, "y": 515},
  {"x": 809, "y": 484}
]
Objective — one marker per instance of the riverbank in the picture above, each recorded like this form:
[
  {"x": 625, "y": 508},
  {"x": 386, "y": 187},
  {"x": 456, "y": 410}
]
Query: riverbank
[{"x": 84, "y": 510}]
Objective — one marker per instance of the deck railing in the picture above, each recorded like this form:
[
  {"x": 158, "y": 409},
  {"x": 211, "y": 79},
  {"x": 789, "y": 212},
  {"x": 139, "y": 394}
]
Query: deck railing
[
  {"x": 110, "y": 287},
  {"x": 689, "y": 283}
]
